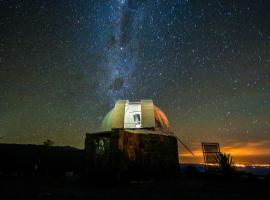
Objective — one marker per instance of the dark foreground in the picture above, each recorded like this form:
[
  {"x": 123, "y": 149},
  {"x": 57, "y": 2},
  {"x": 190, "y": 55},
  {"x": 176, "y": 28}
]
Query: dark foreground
[
  {"x": 59, "y": 173},
  {"x": 193, "y": 187}
]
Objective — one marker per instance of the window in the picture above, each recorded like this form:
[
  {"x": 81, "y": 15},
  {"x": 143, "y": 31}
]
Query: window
[{"x": 102, "y": 145}]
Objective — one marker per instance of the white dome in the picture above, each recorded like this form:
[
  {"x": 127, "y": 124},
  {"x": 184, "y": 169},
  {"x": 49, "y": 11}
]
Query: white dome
[{"x": 161, "y": 120}]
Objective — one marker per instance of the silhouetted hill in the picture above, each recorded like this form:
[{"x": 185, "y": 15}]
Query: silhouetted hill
[{"x": 28, "y": 159}]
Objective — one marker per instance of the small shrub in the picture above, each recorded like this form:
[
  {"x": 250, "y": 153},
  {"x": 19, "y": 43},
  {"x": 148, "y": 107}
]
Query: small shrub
[{"x": 225, "y": 162}]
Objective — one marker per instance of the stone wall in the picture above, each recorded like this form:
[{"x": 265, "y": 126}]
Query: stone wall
[{"x": 128, "y": 151}]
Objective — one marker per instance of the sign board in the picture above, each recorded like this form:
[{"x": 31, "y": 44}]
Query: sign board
[{"x": 210, "y": 150}]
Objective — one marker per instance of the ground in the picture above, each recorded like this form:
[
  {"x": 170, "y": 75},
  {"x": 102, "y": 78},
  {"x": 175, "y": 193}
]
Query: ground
[{"x": 199, "y": 187}]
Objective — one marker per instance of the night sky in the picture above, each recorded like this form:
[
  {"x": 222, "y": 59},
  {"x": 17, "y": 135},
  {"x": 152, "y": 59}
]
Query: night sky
[{"x": 206, "y": 64}]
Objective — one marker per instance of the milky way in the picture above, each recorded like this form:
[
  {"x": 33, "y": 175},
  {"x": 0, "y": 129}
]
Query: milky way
[{"x": 121, "y": 51}]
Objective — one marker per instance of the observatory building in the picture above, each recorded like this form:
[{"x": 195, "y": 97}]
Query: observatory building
[{"x": 136, "y": 137}]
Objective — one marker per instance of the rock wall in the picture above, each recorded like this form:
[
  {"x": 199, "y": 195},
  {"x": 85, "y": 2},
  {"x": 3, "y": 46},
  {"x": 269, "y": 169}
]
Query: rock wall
[{"x": 128, "y": 151}]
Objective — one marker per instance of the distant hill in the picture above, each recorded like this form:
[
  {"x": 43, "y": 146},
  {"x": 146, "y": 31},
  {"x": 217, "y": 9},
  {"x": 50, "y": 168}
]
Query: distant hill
[{"x": 29, "y": 159}]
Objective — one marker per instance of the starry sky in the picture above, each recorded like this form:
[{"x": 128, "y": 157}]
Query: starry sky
[{"x": 206, "y": 64}]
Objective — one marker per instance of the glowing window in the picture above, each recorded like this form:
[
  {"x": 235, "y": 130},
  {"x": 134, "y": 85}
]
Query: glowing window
[
  {"x": 132, "y": 115},
  {"x": 137, "y": 120}
]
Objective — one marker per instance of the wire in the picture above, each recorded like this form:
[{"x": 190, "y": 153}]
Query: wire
[{"x": 178, "y": 139}]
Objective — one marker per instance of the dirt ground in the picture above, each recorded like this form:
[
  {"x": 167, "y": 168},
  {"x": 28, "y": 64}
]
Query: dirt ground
[{"x": 69, "y": 188}]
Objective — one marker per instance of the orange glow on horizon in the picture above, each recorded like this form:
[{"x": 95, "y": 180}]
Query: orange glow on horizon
[{"x": 242, "y": 153}]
